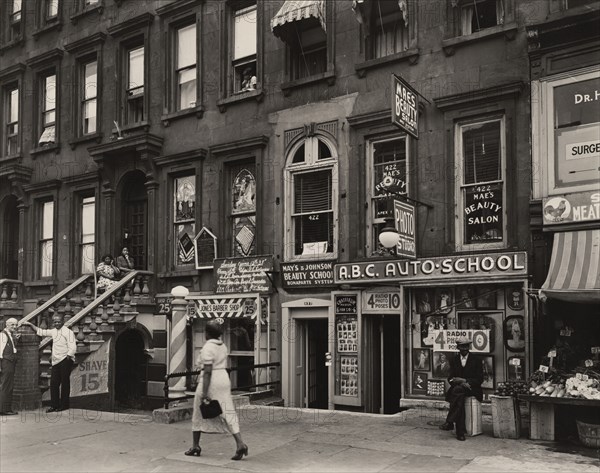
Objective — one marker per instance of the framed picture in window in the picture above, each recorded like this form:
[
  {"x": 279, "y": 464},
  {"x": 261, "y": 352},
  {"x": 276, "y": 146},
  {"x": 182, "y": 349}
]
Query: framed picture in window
[
  {"x": 482, "y": 321},
  {"x": 465, "y": 298},
  {"x": 424, "y": 301},
  {"x": 419, "y": 385},
  {"x": 441, "y": 363},
  {"x": 514, "y": 333},
  {"x": 443, "y": 300},
  {"x": 422, "y": 359},
  {"x": 486, "y": 297},
  {"x": 489, "y": 374}
]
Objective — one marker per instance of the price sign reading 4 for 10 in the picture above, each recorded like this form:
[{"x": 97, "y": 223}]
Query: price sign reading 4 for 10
[
  {"x": 446, "y": 340},
  {"x": 383, "y": 300}
]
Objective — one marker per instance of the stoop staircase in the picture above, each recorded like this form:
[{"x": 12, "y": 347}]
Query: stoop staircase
[{"x": 93, "y": 320}]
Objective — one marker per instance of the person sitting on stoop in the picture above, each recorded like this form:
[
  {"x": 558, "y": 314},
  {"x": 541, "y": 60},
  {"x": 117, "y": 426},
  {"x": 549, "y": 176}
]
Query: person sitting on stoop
[{"x": 466, "y": 376}]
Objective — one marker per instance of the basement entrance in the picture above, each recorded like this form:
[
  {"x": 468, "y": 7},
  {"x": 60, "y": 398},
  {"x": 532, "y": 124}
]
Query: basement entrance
[{"x": 131, "y": 369}]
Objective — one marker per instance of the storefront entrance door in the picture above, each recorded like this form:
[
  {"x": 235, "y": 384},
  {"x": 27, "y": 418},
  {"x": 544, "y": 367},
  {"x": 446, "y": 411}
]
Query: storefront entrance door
[
  {"x": 382, "y": 363},
  {"x": 311, "y": 377},
  {"x": 135, "y": 218}
]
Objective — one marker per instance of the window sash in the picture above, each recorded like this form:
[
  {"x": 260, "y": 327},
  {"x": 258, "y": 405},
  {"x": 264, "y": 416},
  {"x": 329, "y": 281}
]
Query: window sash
[
  {"x": 488, "y": 188},
  {"x": 313, "y": 192},
  {"x": 186, "y": 47},
  {"x": 49, "y": 93},
  {"x": 244, "y": 32},
  {"x": 51, "y": 9},
  {"x": 135, "y": 71},
  {"x": 87, "y": 251},
  {"x": 47, "y": 239}
]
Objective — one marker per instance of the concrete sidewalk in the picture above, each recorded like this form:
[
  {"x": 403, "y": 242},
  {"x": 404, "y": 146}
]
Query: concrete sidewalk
[{"x": 279, "y": 439}]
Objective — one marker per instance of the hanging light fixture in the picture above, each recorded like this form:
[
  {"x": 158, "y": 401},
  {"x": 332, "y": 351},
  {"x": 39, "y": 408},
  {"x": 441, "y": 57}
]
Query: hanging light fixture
[{"x": 388, "y": 236}]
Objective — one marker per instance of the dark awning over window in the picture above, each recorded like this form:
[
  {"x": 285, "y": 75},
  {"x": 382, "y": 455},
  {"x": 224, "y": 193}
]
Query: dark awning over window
[
  {"x": 293, "y": 12},
  {"x": 574, "y": 268},
  {"x": 362, "y": 9}
]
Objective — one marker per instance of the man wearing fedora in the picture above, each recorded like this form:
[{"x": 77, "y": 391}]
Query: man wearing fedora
[{"x": 466, "y": 376}]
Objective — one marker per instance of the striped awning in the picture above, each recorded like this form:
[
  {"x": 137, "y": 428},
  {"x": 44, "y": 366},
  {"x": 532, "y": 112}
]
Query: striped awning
[
  {"x": 294, "y": 11},
  {"x": 574, "y": 268}
]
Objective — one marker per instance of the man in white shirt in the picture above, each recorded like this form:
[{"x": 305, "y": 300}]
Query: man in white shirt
[
  {"x": 8, "y": 360},
  {"x": 63, "y": 356}
]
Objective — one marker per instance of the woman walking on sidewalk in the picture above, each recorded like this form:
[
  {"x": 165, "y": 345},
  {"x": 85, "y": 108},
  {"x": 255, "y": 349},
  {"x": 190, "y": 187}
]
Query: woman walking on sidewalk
[{"x": 214, "y": 384}]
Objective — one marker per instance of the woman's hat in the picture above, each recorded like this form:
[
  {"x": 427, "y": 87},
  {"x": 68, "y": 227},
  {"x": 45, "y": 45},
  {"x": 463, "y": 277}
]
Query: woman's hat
[{"x": 463, "y": 340}]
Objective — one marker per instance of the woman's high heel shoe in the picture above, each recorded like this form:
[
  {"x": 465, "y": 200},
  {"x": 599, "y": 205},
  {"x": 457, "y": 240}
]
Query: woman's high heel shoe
[
  {"x": 240, "y": 453},
  {"x": 193, "y": 452}
]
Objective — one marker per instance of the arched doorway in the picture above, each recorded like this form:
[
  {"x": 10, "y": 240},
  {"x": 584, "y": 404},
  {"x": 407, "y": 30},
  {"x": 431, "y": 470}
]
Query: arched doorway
[
  {"x": 9, "y": 239},
  {"x": 135, "y": 218},
  {"x": 130, "y": 370}
]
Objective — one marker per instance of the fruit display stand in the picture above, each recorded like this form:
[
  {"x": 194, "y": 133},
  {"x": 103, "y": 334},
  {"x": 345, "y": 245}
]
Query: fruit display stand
[{"x": 541, "y": 410}]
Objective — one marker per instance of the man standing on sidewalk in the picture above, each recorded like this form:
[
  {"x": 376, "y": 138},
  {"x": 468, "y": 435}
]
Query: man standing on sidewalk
[
  {"x": 466, "y": 376},
  {"x": 8, "y": 360},
  {"x": 63, "y": 357}
]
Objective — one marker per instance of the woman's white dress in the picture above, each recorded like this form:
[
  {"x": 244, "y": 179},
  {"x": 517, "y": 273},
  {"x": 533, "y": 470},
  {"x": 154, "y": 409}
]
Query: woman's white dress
[{"x": 215, "y": 352}]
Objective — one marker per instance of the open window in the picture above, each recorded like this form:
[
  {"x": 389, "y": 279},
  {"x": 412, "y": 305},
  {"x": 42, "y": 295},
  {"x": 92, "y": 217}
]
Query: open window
[{"x": 311, "y": 189}]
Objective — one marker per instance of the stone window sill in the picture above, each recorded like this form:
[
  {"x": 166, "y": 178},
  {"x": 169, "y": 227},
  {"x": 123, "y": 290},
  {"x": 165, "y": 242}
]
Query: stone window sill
[
  {"x": 56, "y": 25},
  {"x": 288, "y": 86},
  {"x": 97, "y": 137},
  {"x": 509, "y": 30},
  {"x": 45, "y": 149},
  {"x": 168, "y": 117},
  {"x": 134, "y": 128},
  {"x": 12, "y": 157},
  {"x": 257, "y": 94},
  {"x": 77, "y": 16},
  {"x": 11, "y": 44},
  {"x": 410, "y": 55}
]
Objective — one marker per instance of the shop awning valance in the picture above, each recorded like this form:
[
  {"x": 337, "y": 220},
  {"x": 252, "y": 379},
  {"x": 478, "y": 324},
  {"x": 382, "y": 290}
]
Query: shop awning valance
[
  {"x": 293, "y": 12},
  {"x": 574, "y": 268}
]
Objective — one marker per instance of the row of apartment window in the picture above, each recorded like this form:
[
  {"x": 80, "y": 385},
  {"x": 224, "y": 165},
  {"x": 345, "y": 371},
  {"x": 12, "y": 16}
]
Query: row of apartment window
[
  {"x": 386, "y": 24},
  {"x": 311, "y": 205}
]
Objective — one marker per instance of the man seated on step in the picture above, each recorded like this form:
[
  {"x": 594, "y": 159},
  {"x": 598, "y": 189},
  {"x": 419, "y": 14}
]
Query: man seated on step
[
  {"x": 64, "y": 347},
  {"x": 466, "y": 376}
]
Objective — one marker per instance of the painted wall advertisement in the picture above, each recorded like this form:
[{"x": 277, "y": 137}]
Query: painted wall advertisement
[
  {"x": 241, "y": 275},
  {"x": 569, "y": 208}
]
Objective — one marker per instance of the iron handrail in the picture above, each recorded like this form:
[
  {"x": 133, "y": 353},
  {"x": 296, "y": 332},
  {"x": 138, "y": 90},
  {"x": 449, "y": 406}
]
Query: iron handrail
[{"x": 180, "y": 374}]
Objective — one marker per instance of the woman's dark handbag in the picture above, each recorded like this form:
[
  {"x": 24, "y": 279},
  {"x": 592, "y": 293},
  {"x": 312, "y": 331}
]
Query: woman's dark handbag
[{"x": 210, "y": 409}]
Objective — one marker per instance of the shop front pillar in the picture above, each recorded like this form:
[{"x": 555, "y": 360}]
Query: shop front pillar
[{"x": 177, "y": 341}]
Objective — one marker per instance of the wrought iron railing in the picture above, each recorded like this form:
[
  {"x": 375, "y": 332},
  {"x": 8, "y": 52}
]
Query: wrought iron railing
[{"x": 168, "y": 399}]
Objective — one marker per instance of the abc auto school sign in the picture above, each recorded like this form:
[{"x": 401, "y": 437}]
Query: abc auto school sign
[{"x": 473, "y": 267}]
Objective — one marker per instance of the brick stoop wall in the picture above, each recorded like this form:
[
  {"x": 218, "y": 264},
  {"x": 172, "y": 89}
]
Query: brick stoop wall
[{"x": 27, "y": 394}]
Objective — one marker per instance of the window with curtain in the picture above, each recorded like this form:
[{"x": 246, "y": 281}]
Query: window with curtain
[
  {"x": 184, "y": 219},
  {"x": 135, "y": 85},
  {"x": 388, "y": 28},
  {"x": 46, "y": 242},
  {"x": 308, "y": 52},
  {"x": 88, "y": 94},
  {"x": 48, "y": 110},
  {"x": 243, "y": 209},
  {"x": 481, "y": 206},
  {"x": 312, "y": 210},
  {"x": 50, "y": 11},
  {"x": 185, "y": 67},
  {"x": 11, "y": 120},
  {"x": 388, "y": 161},
  {"x": 243, "y": 54},
  {"x": 87, "y": 246},
  {"x": 477, "y": 15}
]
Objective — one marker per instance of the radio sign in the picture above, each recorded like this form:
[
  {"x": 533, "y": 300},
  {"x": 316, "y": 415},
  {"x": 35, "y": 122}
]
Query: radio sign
[
  {"x": 404, "y": 215},
  {"x": 405, "y": 106}
]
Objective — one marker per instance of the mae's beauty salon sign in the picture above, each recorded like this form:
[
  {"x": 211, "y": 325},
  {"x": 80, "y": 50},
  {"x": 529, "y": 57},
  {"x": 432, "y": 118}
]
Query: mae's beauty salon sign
[{"x": 428, "y": 269}]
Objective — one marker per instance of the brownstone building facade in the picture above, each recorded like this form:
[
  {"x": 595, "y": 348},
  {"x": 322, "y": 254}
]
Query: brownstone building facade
[{"x": 247, "y": 142}]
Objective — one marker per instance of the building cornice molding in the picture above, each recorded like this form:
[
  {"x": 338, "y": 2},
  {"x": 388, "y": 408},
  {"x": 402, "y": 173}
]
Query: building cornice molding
[
  {"x": 46, "y": 59},
  {"x": 239, "y": 146},
  {"x": 141, "y": 21},
  {"x": 488, "y": 94}
]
